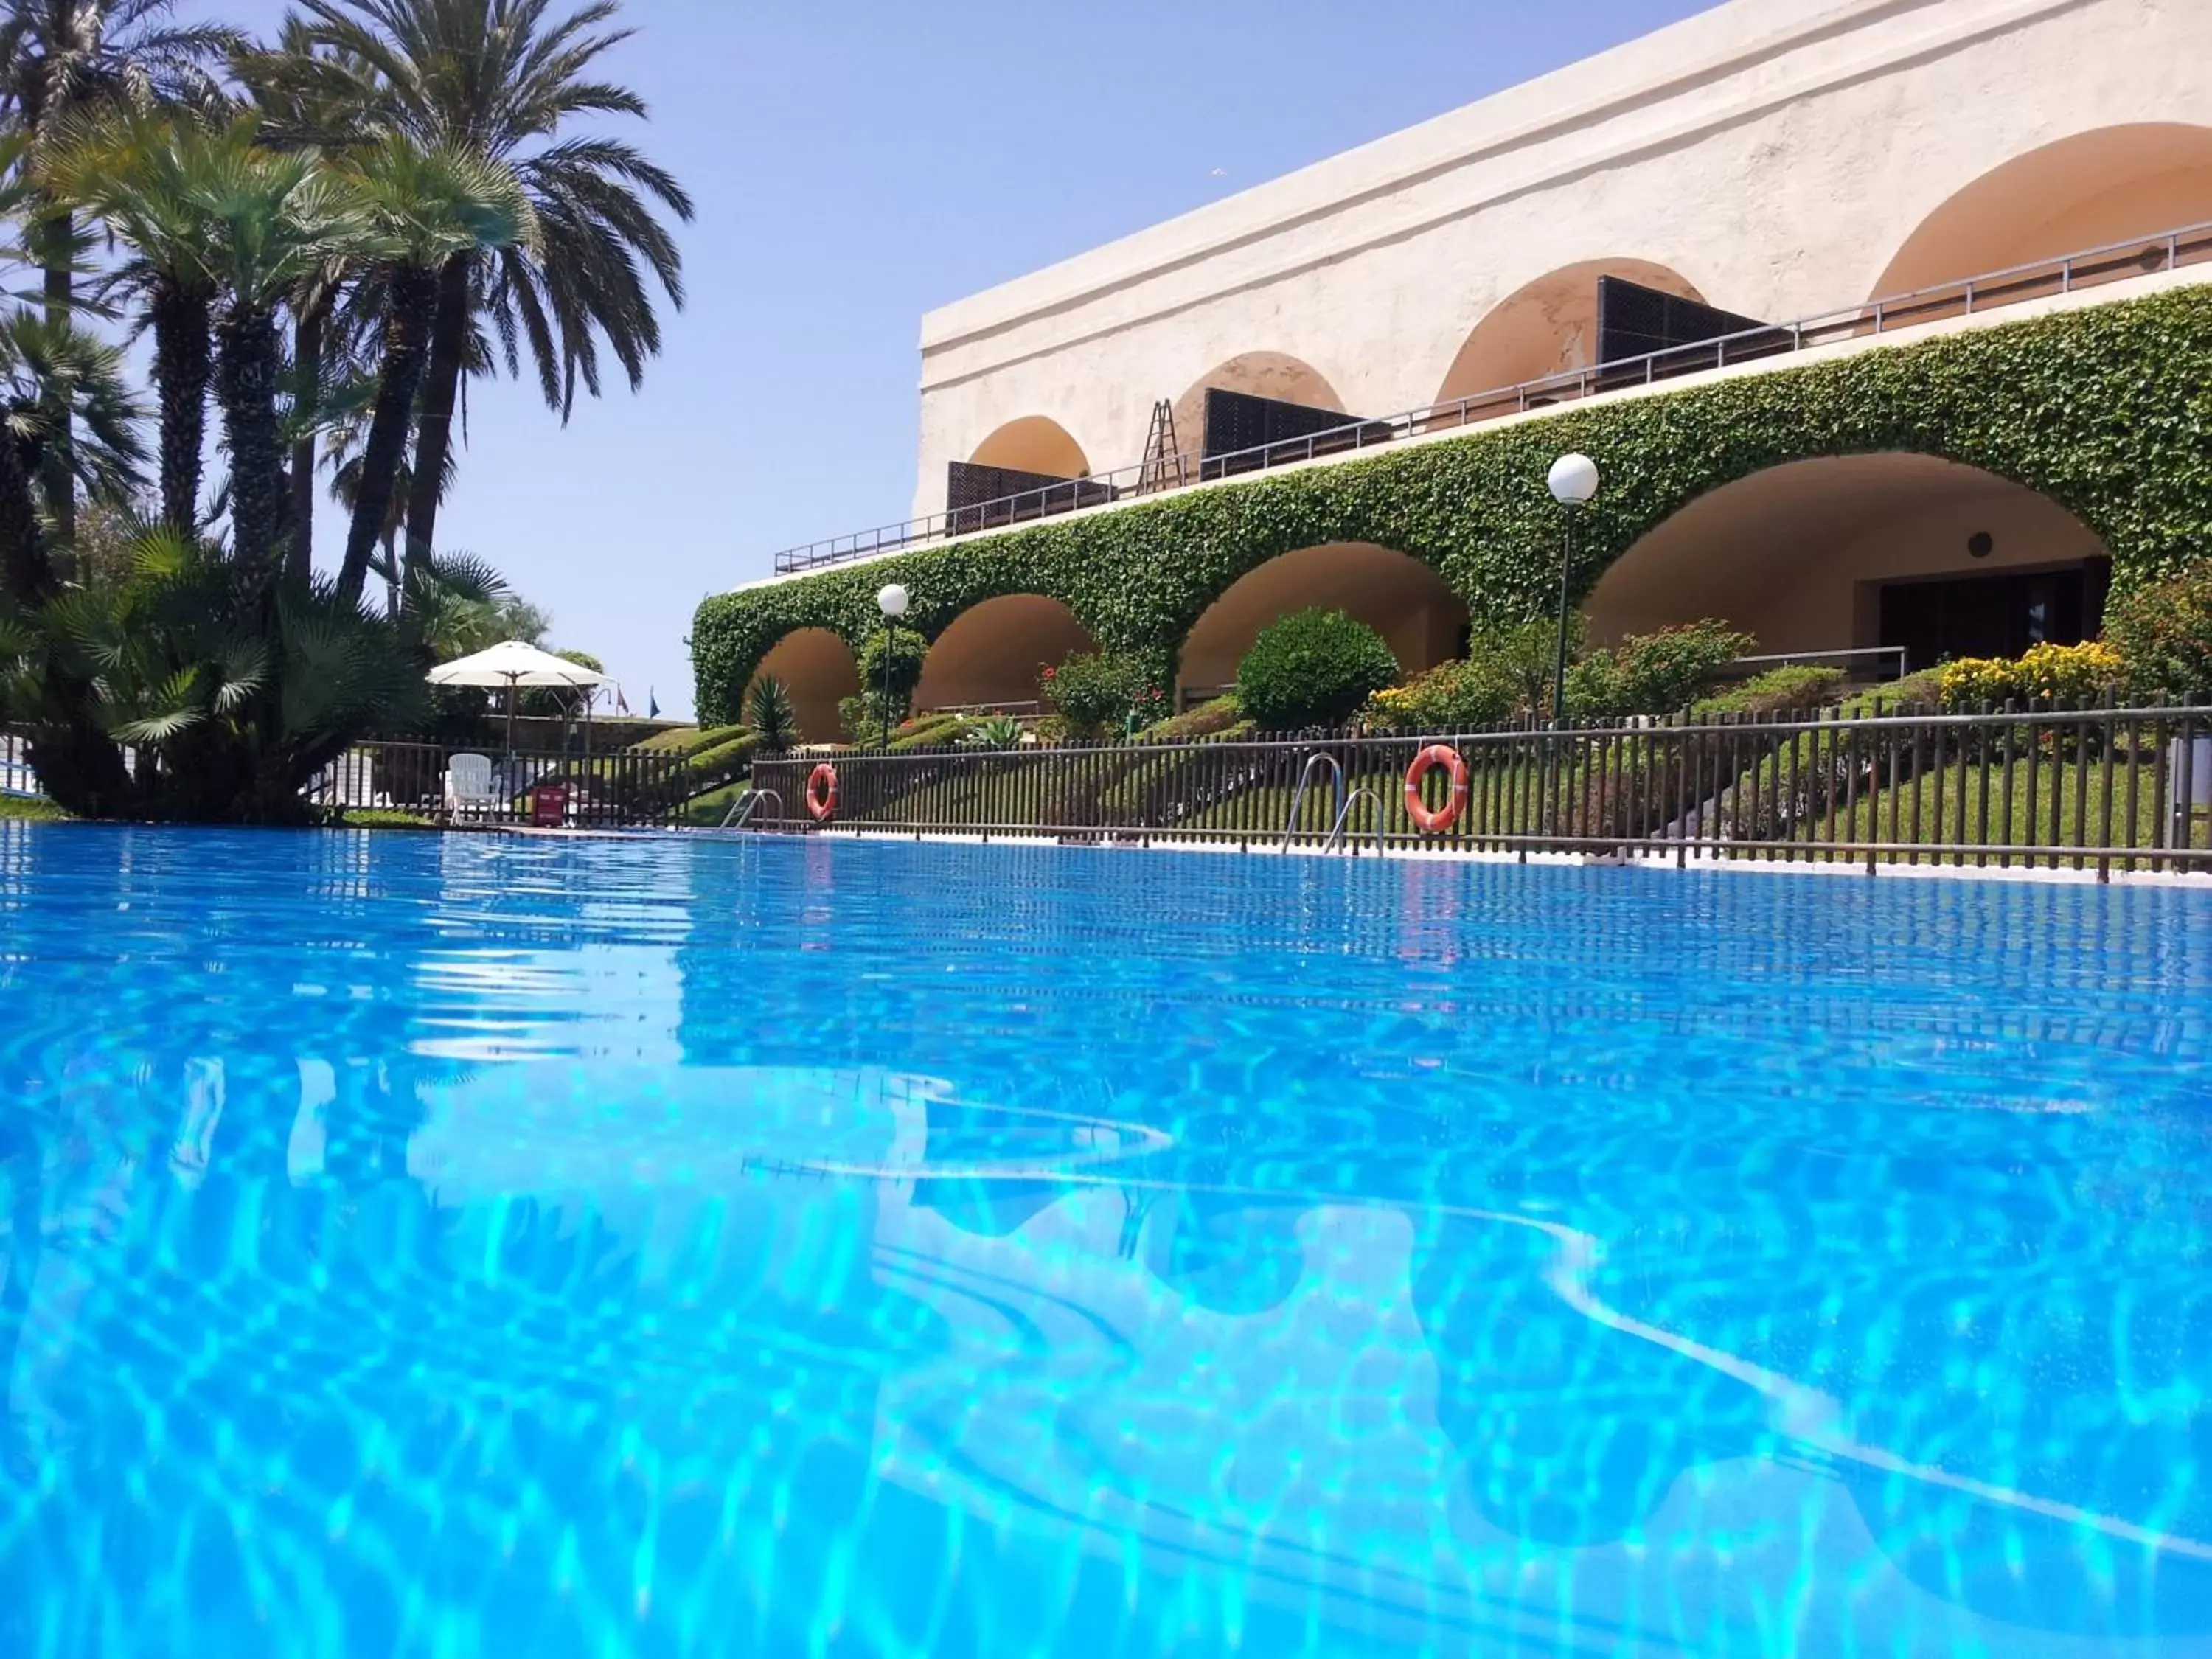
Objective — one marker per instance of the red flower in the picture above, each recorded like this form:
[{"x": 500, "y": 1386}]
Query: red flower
[{"x": 1050, "y": 673}]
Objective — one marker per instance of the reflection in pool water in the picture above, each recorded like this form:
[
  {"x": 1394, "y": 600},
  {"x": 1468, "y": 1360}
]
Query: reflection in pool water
[{"x": 431, "y": 1246}]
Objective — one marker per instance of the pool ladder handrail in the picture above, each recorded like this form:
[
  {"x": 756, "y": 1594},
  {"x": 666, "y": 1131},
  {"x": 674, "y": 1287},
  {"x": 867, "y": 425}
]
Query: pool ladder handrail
[
  {"x": 1319, "y": 757},
  {"x": 1344, "y": 817},
  {"x": 741, "y": 809}
]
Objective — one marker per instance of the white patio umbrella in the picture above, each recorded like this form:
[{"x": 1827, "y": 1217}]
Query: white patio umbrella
[{"x": 517, "y": 667}]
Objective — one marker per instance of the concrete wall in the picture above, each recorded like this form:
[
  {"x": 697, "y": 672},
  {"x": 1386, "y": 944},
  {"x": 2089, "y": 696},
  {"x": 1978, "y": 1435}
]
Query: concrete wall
[{"x": 1777, "y": 156}]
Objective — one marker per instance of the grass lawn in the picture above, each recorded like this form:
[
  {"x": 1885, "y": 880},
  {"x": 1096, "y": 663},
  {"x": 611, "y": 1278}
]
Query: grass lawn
[
  {"x": 30, "y": 809},
  {"x": 1968, "y": 803}
]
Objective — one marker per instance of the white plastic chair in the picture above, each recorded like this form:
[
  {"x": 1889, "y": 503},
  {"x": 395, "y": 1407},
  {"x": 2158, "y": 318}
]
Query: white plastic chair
[{"x": 467, "y": 783}]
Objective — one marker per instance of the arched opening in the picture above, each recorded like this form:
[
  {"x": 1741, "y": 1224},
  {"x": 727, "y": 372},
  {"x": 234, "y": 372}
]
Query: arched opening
[
  {"x": 990, "y": 656},
  {"x": 1548, "y": 327},
  {"x": 2090, "y": 191},
  {"x": 1283, "y": 384},
  {"x": 1850, "y": 552},
  {"x": 1033, "y": 444},
  {"x": 816, "y": 667},
  {"x": 1028, "y": 469},
  {"x": 1404, "y": 600}
]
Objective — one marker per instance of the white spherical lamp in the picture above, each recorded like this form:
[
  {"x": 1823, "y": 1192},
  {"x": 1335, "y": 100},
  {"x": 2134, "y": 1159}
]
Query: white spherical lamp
[
  {"x": 1574, "y": 480},
  {"x": 892, "y": 602}
]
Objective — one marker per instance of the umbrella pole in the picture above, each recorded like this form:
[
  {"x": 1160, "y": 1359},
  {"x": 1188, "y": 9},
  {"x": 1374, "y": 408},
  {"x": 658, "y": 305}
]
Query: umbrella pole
[{"x": 510, "y": 721}]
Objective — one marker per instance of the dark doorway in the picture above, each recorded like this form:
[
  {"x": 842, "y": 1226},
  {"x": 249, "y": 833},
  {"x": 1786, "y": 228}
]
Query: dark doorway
[{"x": 1999, "y": 614}]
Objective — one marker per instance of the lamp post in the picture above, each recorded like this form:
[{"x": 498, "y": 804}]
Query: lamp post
[
  {"x": 892, "y": 602},
  {"x": 1574, "y": 481}
]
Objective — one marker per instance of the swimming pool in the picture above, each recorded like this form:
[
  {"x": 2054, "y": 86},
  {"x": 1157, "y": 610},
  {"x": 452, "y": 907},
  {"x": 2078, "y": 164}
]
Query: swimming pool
[{"x": 447, "y": 1246}]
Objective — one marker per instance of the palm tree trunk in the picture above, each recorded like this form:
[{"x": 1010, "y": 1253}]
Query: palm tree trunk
[
  {"x": 247, "y": 360},
  {"x": 409, "y": 322},
  {"x": 441, "y": 395},
  {"x": 307, "y": 373},
  {"x": 57, "y": 252},
  {"x": 182, "y": 364},
  {"x": 25, "y": 572},
  {"x": 391, "y": 597}
]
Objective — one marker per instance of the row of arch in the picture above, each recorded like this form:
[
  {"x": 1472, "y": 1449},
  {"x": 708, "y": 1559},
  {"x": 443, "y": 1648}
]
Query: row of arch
[
  {"x": 1799, "y": 555},
  {"x": 2097, "y": 188}
]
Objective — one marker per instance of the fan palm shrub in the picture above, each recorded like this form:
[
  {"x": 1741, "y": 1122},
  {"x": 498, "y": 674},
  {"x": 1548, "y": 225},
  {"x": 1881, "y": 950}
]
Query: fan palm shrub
[
  {"x": 992, "y": 732},
  {"x": 230, "y": 691},
  {"x": 769, "y": 715}
]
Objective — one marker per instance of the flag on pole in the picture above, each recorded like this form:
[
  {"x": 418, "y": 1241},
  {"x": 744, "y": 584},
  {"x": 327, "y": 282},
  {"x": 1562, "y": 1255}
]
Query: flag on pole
[
  {"x": 653, "y": 705},
  {"x": 622, "y": 703}
]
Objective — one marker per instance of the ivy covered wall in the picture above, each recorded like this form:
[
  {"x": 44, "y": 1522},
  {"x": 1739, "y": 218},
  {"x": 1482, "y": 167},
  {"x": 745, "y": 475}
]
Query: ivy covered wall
[{"x": 2108, "y": 410}]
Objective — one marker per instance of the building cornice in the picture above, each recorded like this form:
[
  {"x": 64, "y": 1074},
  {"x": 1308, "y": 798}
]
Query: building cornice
[{"x": 1745, "y": 57}]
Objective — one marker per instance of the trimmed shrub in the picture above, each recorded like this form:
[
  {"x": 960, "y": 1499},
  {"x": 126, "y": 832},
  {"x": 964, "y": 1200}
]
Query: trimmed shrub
[
  {"x": 1779, "y": 691},
  {"x": 1217, "y": 717},
  {"x": 906, "y": 648},
  {"x": 928, "y": 732},
  {"x": 1312, "y": 668},
  {"x": 1453, "y": 697},
  {"x": 2046, "y": 674},
  {"x": 690, "y": 739},
  {"x": 1091, "y": 692},
  {"x": 1525, "y": 656},
  {"x": 1660, "y": 673},
  {"x": 717, "y": 765},
  {"x": 2162, "y": 632}
]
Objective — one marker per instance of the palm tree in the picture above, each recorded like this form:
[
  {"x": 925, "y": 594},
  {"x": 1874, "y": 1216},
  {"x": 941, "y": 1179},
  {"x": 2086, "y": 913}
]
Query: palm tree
[
  {"x": 61, "y": 58},
  {"x": 275, "y": 220},
  {"x": 341, "y": 454},
  {"x": 427, "y": 208},
  {"x": 502, "y": 79},
  {"x": 54, "y": 376},
  {"x": 143, "y": 176}
]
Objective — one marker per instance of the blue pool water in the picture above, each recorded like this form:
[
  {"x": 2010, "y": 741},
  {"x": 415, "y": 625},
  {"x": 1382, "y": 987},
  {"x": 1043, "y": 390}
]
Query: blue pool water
[{"x": 447, "y": 1247}]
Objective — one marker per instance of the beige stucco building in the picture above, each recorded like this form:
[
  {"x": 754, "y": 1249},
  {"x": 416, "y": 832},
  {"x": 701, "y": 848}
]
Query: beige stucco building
[{"x": 1773, "y": 159}]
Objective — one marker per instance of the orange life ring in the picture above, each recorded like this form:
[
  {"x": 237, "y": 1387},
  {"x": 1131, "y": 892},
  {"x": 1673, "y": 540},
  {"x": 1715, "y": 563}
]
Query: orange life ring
[
  {"x": 822, "y": 793},
  {"x": 1434, "y": 821}
]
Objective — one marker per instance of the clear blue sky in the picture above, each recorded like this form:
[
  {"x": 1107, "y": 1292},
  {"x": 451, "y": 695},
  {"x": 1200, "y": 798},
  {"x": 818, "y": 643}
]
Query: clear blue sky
[{"x": 858, "y": 164}]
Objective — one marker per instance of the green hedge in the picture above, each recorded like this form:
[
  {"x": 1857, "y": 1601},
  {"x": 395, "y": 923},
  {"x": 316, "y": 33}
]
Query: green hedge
[{"x": 2106, "y": 410}]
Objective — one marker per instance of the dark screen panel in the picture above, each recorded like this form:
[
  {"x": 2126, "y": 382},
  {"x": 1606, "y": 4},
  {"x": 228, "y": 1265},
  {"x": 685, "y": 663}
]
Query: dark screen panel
[
  {"x": 976, "y": 497},
  {"x": 1635, "y": 322},
  {"x": 1236, "y": 422}
]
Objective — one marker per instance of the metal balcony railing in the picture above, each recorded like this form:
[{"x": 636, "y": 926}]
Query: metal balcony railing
[{"x": 2094, "y": 267}]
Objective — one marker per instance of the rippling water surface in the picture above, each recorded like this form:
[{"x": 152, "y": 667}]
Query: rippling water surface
[{"x": 447, "y": 1246}]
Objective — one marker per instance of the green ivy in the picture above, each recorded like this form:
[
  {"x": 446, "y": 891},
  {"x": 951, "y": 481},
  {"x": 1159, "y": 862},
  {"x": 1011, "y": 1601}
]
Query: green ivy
[{"x": 2106, "y": 411}]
